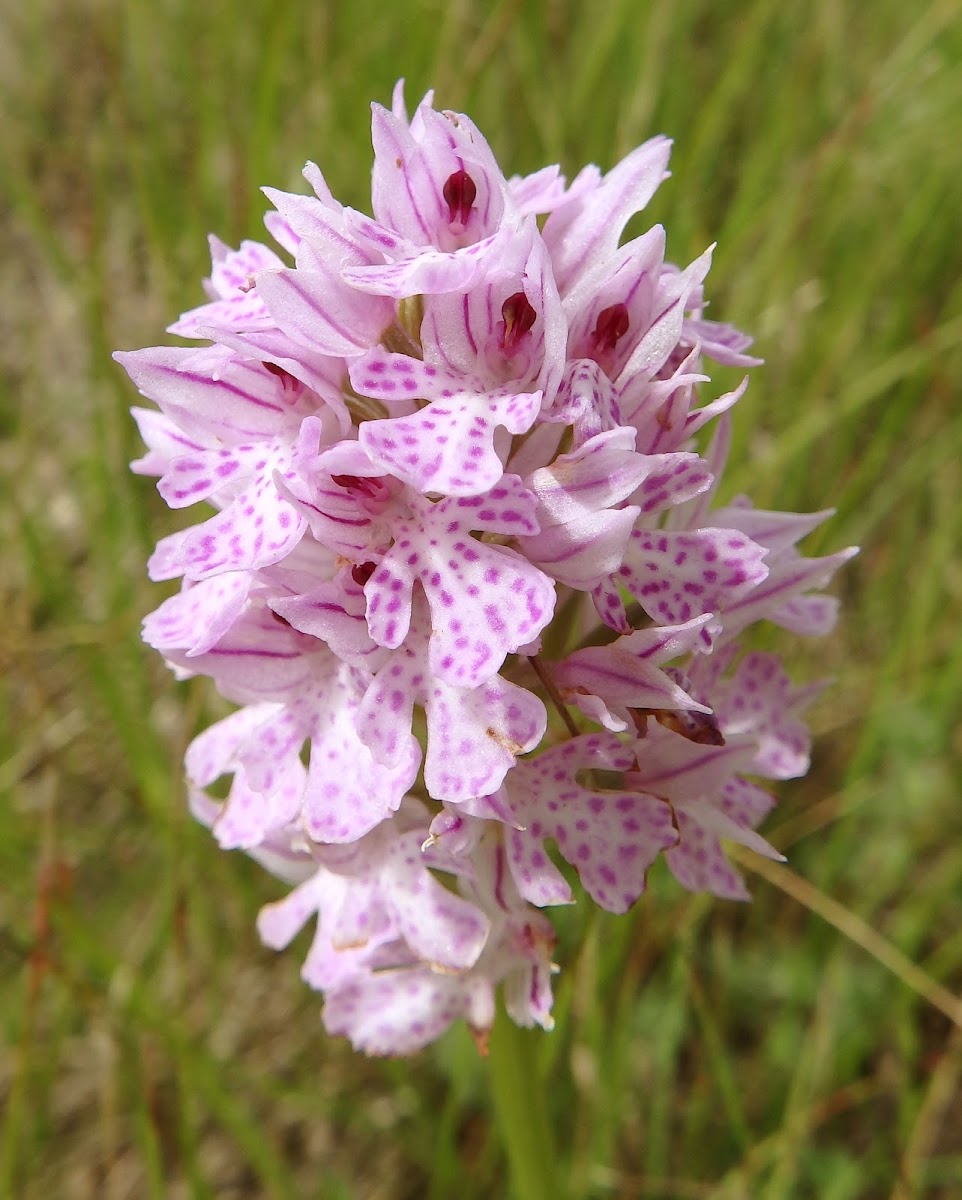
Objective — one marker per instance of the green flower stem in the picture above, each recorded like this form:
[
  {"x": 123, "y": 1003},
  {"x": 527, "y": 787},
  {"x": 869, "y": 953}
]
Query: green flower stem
[{"x": 519, "y": 1104}]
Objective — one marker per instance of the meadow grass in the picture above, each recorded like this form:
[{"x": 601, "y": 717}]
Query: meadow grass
[{"x": 806, "y": 1045}]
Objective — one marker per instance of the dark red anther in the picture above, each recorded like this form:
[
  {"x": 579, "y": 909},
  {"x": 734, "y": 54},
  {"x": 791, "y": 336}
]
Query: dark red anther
[
  {"x": 459, "y": 192},
  {"x": 359, "y": 483},
  {"x": 612, "y": 324},
  {"x": 519, "y": 316},
  {"x": 362, "y": 572},
  {"x": 286, "y": 378}
]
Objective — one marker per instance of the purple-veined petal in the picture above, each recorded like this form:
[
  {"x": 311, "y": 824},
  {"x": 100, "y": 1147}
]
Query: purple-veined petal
[
  {"x": 663, "y": 334},
  {"x": 411, "y": 168},
  {"x": 244, "y": 403},
  {"x": 600, "y": 473},
  {"x": 679, "y": 770},
  {"x": 544, "y": 190},
  {"x": 626, "y": 675},
  {"x": 165, "y": 439},
  {"x": 234, "y": 304},
  {"x": 318, "y": 310},
  {"x": 427, "y": 272},
  {"x": 585, "y": 550},
  {"x": 580, "y": 235},
  {"x": 720, "y": 342},
  {"x": 259, "y": 658},
  {"x": 789, "y": 576}
]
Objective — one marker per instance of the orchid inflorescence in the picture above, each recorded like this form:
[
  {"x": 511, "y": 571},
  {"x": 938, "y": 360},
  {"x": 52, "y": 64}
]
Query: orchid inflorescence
[{"x": 465, "y": 579}]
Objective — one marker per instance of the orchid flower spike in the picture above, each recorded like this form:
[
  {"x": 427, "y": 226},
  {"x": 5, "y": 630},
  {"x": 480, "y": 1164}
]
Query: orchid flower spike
[{"x": 463, "y": 575}]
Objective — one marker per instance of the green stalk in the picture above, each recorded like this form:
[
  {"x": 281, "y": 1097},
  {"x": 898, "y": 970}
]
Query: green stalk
[{"x": 519, "y": 1104}]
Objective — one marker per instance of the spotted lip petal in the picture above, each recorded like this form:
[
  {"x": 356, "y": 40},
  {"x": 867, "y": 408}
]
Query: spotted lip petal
[
  {"x": 611, "y": 837},
  {"x": 405, "y": 1005},
  {"x": 470, "y": 634},
  {"x": 380, "y": 908},
  {"x": 475, "y": 736},
  {"x": 232, "y": 540},
  {"x": 698, "y": 861},
  {"x": 449, "y": 447},
  {"x": 678, "y": 576},
  {"x": 344, "y": 792},
  {"x": 711, "y": 800},
  {"x": 199, "y": 615},
  {"x": 759, "y": 698}
]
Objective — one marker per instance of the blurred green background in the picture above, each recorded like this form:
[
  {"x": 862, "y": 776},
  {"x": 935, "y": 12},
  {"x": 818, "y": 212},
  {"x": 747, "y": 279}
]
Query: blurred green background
[{"x": 807, "y": 1045}]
